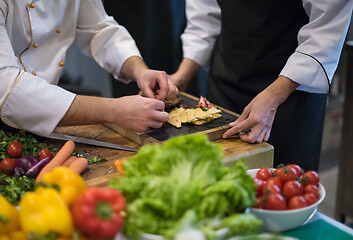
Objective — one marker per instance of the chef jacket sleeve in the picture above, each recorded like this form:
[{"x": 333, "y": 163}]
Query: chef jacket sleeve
[
  {"x": 315, "y": 60},
  {"x": 101, "y": 37},
  {"x": 27, "y": 102},
  {"x": 203, "y": 27}
]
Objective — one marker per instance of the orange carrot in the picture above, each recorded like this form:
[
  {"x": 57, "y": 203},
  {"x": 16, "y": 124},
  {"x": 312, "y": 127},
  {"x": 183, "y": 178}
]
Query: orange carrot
[
  {"x": 68, "y": 161},
  {"x": 119, "y": 166},
  {"x": 78, "y": 165},
  {"x": 58, "y": 160}
]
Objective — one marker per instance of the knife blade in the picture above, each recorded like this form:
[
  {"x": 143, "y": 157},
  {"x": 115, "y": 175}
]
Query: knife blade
[{"x": 64, "y": 137}]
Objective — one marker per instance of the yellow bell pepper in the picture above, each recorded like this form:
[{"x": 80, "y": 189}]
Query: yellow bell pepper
[
  {"x": 70, "y": 183},
  {"x": 44, "y": 211},
  {"x": 18, "y": 235},
  {"x": 9, "y": 217}
]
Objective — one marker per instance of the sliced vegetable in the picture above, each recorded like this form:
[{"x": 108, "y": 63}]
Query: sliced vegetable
[
  {"x": 95, "y": 159},
  {"x": 24, "y": 163},
  {"x": 79, "y": 165},
  {"x": 97, "y": 212},
  {"x": 35, "y": 169},
  {"x": 58, "y": 160}
]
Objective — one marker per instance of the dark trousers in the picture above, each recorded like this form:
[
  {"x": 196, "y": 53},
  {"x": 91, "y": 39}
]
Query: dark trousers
[{"x": 297, "y": 130}]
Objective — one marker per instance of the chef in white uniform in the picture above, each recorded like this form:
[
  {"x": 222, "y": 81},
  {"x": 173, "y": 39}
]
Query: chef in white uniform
[{"x": 34, "y": 38}]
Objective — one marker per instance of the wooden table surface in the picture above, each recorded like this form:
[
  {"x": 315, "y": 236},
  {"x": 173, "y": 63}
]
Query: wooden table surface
[{"x": 99, "y": 174}]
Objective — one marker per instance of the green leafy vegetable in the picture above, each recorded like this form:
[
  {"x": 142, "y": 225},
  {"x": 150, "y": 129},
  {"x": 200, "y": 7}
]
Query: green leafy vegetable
[
  {"x": 184, "y": 180},
  {"x": 95, "y": 159},
  {"x": 14, "y": 187},
  {"x": 30, "y": 145}
]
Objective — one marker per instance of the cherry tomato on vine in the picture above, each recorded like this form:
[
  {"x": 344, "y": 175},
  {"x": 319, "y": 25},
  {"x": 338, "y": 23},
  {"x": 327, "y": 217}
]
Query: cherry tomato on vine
[
  {"x": 292, "y": 188},
  {"x": 276, "y": 201},
  {"x": 310, "y": 198},
  {"x": 15, "y": 149},
  {"x": 259, "y": 186},
  {"x": 297, "y": 169},
  {"x": 259, "y": 202},
  {"x": 45, "y": 153},
  {"x": 7, "y": 166},
  {"x": 264, "y": 174},
  {"x": 296, "y": 202},
  {"x": 312, "y": 189},
  {"x": 310, "y": 177},
  {"x": 285, "y": 174},
  {"x": 269, "y": 188},
  {"x": 275, "y": 181}
]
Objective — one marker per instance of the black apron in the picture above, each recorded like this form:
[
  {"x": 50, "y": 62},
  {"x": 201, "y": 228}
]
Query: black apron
[{"x": 256, "y": 39}]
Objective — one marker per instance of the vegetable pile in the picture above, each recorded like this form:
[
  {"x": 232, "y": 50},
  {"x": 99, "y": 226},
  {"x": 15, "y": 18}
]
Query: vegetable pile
[
  {"x": 183, "y": 182},
  {"x": 21, "y": 158},
  {"x": 62, "y": 207},
  {"x": 286, "y": 187}
]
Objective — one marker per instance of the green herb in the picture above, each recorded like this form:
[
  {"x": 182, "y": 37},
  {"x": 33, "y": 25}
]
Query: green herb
[
  {"x": 185, "y": 180},
  {"x": 94, "y": 160},
  {"x": 15, "y": 187},
  {"x": 49, "y": 236},
  {"x": 30, "y": 145}
]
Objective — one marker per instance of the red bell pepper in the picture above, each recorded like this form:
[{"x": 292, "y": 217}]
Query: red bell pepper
[{"x": 97, "y": 212}]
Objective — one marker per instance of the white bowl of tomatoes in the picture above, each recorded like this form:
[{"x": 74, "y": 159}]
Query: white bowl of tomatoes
[{"x": 286, "y": 197}]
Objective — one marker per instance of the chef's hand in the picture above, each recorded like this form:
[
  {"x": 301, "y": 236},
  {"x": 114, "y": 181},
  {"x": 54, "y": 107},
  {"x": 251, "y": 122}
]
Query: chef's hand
[
  {"x": 138, "y": 113},
  {"x": 259, "y": 114},
  {"x": 149, "y": 81},
  {"x": 153, "y": 82}
]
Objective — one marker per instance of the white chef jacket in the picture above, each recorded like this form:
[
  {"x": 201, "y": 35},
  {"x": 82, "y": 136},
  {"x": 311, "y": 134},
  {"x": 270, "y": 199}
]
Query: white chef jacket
[
  {"x": 34, "y": 38},
  {"x": 319, "y": 42}
]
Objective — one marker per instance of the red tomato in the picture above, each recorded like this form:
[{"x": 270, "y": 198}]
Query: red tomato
[
  {"x": 260, "y": 184},
  {"x": 259, "y": 202},
  {"x": 292, "y": 188},
  {"x": 264, "y": 174},
  {"x": 270, "y": 187},
  {"x": 297, "y": 169},
  {"x": 312, "y": 189},
  {"x": 7, "y": 166},
  {"x": 275, "y": 181},
  {"x": 285, "y": 174},
  {"x": 45, "y": 153},
  {"x": 310, "y": 177},
  {"x": 310, "y": 198},
  {"x": 297, "y": 202},
  {"x": 15, "y": 149},
  {"x": 276, "y": 201}
]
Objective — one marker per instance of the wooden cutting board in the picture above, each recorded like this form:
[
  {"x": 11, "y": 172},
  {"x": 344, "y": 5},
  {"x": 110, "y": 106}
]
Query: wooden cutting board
[{"x": 214, "y": 129}]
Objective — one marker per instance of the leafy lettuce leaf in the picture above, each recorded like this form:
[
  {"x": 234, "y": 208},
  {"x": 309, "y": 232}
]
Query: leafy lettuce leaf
[{"x": 182, "y": 180}]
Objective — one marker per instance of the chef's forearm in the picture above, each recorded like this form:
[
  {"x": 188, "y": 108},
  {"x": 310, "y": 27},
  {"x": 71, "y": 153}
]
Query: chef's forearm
[
  {"x": 188, "y": 68},
  {"x": 87, "y": 110},
  {"x": 132, "y": 67},
  {"x": 186, "y": 71},
  {"x": 281, "y": 88}
]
